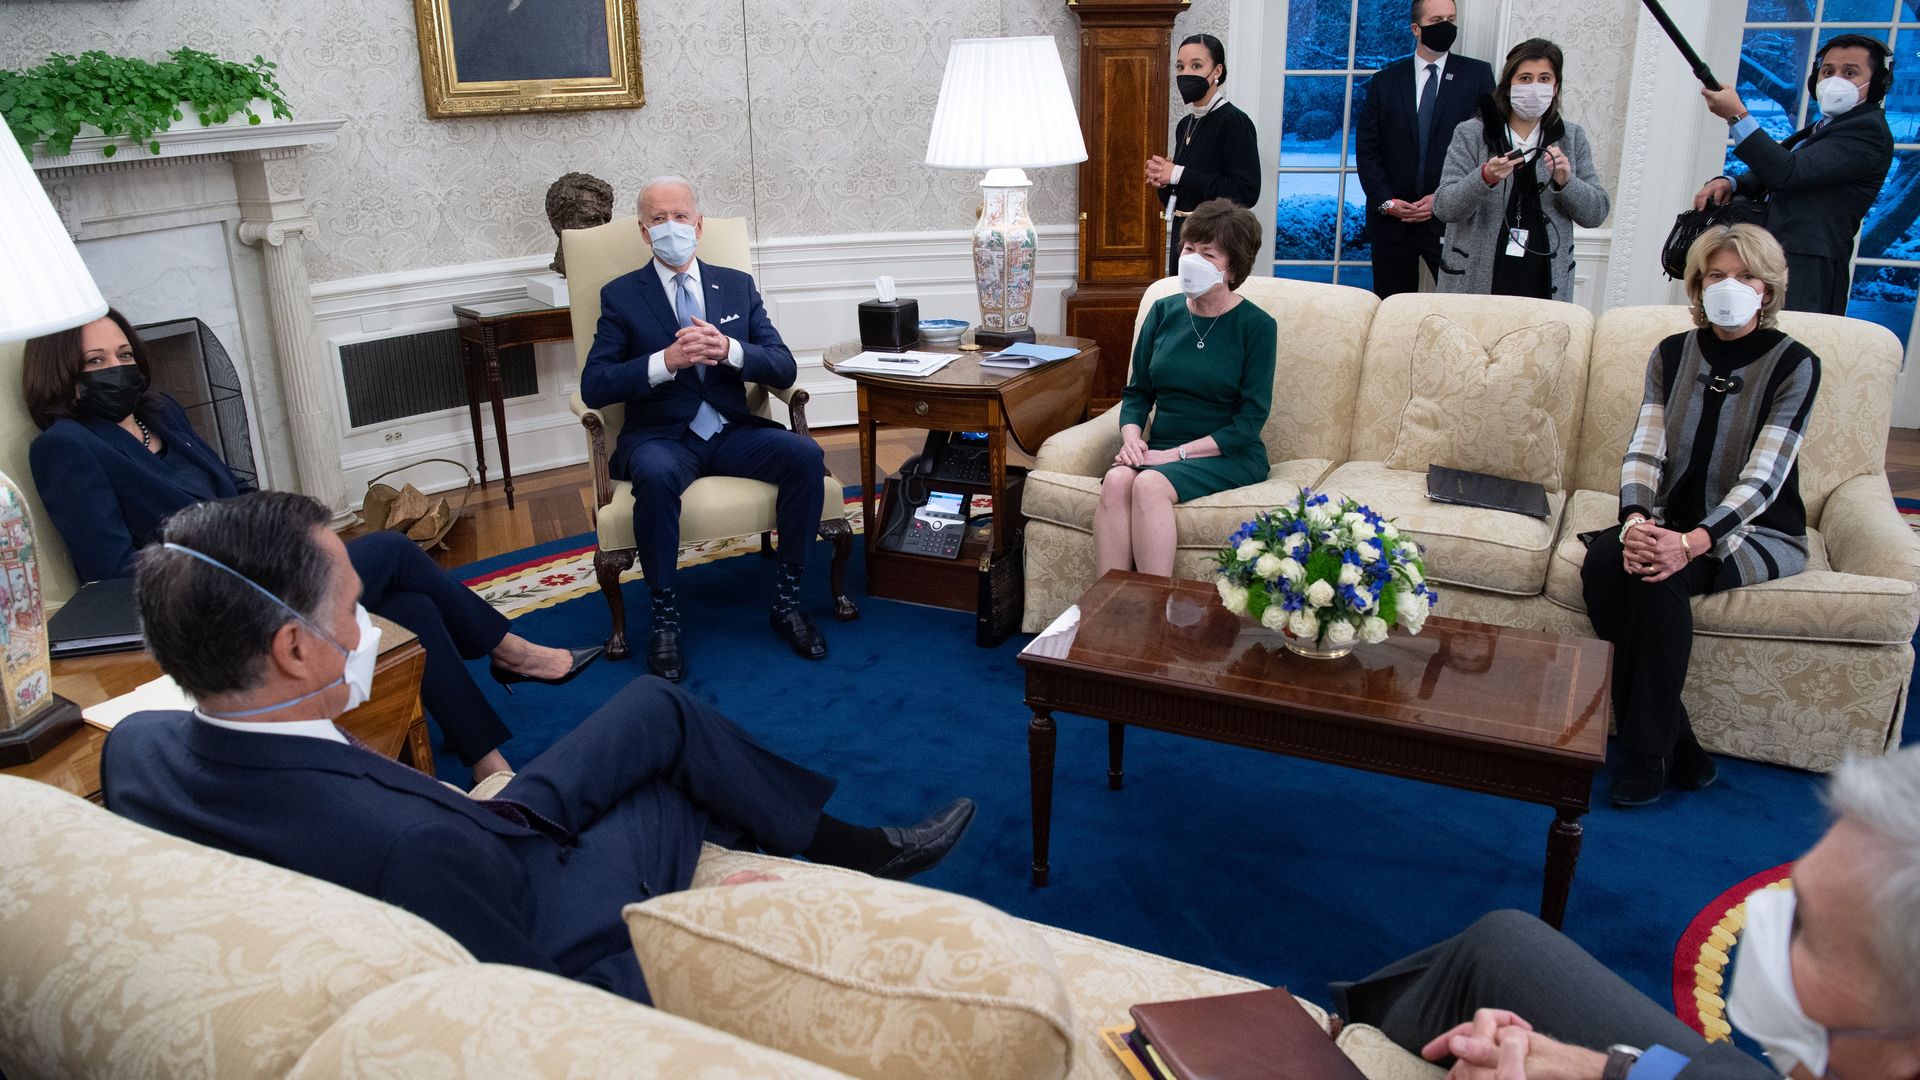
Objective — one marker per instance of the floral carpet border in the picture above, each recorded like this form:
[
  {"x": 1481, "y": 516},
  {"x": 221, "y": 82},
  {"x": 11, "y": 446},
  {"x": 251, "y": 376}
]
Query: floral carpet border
[{"x": 567, "y": 575}]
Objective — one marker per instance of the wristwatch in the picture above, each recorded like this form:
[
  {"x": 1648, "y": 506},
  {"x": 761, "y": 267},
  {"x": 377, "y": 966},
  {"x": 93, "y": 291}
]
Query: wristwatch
[
  {"x": 1387, "y": 207},
  {"x": 1621, "y": 1059},
  {"x": 1182, "y": 451}
]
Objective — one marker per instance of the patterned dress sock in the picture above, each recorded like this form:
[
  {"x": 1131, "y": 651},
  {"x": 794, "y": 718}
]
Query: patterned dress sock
[
  {"x": 786, "y": 588},
  {"x": 666, "y": 612}
]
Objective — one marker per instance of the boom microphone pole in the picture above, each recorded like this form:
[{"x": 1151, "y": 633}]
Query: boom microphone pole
[{"x": 1699, "y": 66}]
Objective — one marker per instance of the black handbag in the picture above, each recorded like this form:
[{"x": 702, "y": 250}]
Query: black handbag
[{"x": 1687, "y": 228}]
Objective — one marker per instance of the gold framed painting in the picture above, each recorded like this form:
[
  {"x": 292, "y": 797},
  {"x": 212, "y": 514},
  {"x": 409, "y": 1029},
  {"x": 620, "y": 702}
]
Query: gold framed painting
[{"x": 496, "y": 57}]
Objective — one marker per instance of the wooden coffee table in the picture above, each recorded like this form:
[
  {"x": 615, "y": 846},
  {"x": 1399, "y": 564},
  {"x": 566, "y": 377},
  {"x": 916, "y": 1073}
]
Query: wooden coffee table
[{"x": 1492, "y": 709}]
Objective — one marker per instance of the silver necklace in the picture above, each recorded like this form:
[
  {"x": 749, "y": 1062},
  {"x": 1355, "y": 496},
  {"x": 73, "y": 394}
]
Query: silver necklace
[{"x": 1200, "y": 339}]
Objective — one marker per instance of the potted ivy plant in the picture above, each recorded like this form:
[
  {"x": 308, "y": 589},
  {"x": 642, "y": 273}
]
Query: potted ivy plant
[{"x": 96, "y": 93}]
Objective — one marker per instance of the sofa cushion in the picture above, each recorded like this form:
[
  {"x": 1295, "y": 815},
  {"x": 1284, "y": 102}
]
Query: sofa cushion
[
  {"x": 1464, "y": 545},
  {"x": 1380, "y": 1058},
  {"x": 875, "y": 978},
  {"x": 1483, "y": 408},
  {"x": 1205, "y": 522},
  {"x": 125, "y": 952},
  {"x": 1817, "y": 604},
  {"x": 1103, "y": 980},
  {"x": 489, "y": 1021}
]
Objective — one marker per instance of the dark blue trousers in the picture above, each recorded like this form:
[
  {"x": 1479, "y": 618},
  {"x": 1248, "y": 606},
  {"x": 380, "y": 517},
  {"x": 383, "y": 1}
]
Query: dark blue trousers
[
  {"x": 642, "y": 781},
  {"x": 663, "y": 469},
  {"x": 401, "y": 583}
]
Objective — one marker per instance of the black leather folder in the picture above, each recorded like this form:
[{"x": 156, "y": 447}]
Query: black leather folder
[
  {"x": 100, "y": 618},
  {"x": 1487, "y": 492}
]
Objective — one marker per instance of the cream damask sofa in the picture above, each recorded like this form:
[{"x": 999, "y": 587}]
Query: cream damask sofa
[
  {"x": 1799, "y": 672},
  {"x": 126, "y": 954}
]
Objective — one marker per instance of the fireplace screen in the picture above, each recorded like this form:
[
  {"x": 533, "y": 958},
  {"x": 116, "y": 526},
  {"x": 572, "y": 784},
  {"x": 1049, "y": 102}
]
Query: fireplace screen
[{"x": 187, "y": 362}]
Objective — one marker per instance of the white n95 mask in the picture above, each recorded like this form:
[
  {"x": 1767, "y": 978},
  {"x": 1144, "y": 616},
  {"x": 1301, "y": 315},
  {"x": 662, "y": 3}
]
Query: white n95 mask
[
  {"x": 1197, "y": 275},
  {"x": 1729, "y": 303},
  {"x": 1763, "y": 1002},
  {"x": 1836, "y": 95}
]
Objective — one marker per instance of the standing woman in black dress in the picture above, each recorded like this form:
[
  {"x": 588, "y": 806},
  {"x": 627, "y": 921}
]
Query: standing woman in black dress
[{"x": 1216, "y": 152}]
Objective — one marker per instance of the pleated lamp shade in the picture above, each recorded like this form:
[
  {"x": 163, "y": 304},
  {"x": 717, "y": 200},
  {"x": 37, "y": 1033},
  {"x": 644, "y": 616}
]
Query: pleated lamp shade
[
  {"x": 44, "y": 286},
  {"x": 1004, "y": 105}
]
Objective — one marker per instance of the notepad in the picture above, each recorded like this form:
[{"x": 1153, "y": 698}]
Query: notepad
[
  {"x": 911, "y": 363},
  {"x": 161, "y": 695},
  {"x": 1025, "y": 354}
]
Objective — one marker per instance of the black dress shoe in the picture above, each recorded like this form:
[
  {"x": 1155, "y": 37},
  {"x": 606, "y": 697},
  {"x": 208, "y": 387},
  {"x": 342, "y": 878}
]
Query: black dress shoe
[
  {"x": 581, "y": 658},
  {"x": 1641, "y": 779},
  {"x": 924, "y": 845},
  {"x": 1693, "y": 768},
  {"x": 663, "y": 655},
  {"x": 798, "y": 632}
]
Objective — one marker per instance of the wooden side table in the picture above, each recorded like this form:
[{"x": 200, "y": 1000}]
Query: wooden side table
[
  {"x": 485, "y": 329},
  {"x": 391, "y": 721},
  {"x": 1029, "y": 405}
]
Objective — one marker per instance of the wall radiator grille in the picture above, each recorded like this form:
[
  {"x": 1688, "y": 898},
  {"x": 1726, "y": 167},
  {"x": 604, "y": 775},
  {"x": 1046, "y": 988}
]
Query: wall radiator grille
[{"x": 397, "y": 377}]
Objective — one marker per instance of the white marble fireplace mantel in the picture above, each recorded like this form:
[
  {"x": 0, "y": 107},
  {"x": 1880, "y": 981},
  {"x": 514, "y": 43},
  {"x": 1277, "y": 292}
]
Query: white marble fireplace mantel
[{"x": 214, "y": 226}]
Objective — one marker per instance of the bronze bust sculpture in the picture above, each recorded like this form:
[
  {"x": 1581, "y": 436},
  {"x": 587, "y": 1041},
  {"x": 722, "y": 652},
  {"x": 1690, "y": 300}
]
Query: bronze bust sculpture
[{"x": 576, "y": 201}]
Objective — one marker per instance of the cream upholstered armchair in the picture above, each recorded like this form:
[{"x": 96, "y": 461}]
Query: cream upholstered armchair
[{"x": 715, "y": 507}]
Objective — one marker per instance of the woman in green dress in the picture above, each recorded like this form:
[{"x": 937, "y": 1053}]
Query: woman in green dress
[{"x": 1203, "y": 372}]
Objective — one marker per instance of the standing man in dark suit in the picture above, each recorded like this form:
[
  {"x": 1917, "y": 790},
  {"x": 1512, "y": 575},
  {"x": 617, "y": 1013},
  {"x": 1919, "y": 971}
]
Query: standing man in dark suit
[
  {"x": 1821, "y": 182},
  {"x": 677, "y": 343},
  {"x": 614, "y": 812},
  {"x": 1404, "y": 127}
]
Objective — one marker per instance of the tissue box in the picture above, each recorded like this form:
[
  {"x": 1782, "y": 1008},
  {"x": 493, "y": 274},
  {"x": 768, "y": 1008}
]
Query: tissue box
[{"x": 889, "y": 325}]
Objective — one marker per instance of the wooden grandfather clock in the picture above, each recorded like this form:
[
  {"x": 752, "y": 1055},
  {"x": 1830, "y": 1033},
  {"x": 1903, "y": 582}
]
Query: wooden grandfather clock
[{"x": 1126, "y": 62}]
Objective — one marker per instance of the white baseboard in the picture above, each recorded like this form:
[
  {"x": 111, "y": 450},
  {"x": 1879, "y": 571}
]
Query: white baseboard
[{"x": 812, "y": 287}]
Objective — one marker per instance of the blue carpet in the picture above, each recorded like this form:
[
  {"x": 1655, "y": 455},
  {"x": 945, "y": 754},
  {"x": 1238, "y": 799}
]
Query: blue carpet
[{"x": 1284, "y": 871}]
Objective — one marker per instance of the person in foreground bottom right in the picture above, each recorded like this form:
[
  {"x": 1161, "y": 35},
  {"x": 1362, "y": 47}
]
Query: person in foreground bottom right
[{"x": 1826, "y": 976}]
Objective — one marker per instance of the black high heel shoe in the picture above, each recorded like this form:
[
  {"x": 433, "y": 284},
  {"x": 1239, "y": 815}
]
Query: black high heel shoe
[{"x": 581, "y": 658}]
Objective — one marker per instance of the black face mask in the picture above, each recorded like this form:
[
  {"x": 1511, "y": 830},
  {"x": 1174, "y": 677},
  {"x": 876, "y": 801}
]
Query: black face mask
[
  {"x": 1193, "y": 87},
  {"x": 1438, "y": 37},
  {"x": 112, "y": 393}
]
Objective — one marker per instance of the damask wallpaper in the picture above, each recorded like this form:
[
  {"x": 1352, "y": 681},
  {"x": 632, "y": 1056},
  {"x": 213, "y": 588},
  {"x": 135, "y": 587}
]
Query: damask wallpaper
[{"x": 807, "y": 116}]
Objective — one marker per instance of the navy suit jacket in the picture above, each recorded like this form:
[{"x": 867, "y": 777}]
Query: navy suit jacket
[
  {"x": 637, "y": 320},
  {"x": 1387, "y": 135},
  {"x": 375, "y": 826},
  {"x": 107, "y": 493},
  {"x": 1820, "y": 182}
]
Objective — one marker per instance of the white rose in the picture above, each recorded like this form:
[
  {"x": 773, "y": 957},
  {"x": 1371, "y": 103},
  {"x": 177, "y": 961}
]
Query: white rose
[
  {"x": 1349, "y": 574},
  {"x": 1319, "y": 516},
  {"x": 1363, "y": 530},
  {"x": 1404, "y": 601},
  {"x": 1352, "y": 519},
  {"x": 1367, "y": 552},
  {"x": 1387, "y": 530},
  {"x": 1293, "y": 543},
  {"x": 1373, "y": 630},
  {"x": 1304, "y": 625},
  {"x": 1362, "y": 600},
  {"x": 1414, "y": 620},
  {"x": 1413, "y": 574},
  {"x": 1319, "y": 594},
  {"x": 1267, "y": 565},
  {"x": 1233, "y": 597},
  {"x": 1274, "y": 618},
  {"x": 1292, "y": 570},
  {"x": 1249, "y": 550},
  {"x": 1339, "y": 632}
]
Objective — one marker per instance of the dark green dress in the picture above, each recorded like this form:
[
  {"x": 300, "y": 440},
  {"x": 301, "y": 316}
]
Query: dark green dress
[{"x": 1223, "y": 390}]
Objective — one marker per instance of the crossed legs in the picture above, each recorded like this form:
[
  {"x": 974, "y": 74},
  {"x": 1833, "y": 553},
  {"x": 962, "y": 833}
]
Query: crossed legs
[{"x": 1133, "y": 525}]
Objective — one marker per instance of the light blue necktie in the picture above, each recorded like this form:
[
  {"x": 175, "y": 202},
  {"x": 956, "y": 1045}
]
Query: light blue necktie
[{"x": 708, "y": 421}]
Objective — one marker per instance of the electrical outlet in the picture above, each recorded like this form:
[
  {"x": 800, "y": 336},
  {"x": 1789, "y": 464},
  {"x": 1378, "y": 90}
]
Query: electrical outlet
[{"x": 393, "y": 435}]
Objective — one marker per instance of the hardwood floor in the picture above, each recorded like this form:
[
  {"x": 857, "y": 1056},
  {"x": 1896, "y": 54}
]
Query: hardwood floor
[{"x": 559, "y": 503}]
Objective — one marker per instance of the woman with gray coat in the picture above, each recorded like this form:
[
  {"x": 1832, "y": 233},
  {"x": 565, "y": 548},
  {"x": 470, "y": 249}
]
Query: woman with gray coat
[{"x": 1518, "y": 178}]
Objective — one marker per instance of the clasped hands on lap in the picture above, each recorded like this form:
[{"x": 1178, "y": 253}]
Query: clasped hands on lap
[
  {"x": 1654, "y": 554},
  {"x": 701, "y": 344},
  {"x": 1500, "y": 1045}
]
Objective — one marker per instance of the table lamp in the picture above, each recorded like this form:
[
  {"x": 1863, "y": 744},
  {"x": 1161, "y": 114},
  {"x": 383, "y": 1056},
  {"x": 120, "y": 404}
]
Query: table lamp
[
  {"x": 1004, "y": 107},
  {"x": 44, "y": 287}
]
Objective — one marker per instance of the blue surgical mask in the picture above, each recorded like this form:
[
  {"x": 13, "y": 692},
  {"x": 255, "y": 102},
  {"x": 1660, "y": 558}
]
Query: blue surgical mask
[
  {"x": 672, "y": 242},
  {"x": 361, "y": 659}
]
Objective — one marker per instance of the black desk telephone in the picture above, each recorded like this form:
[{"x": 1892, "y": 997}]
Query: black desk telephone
[{"x": 923, "y": 519}]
